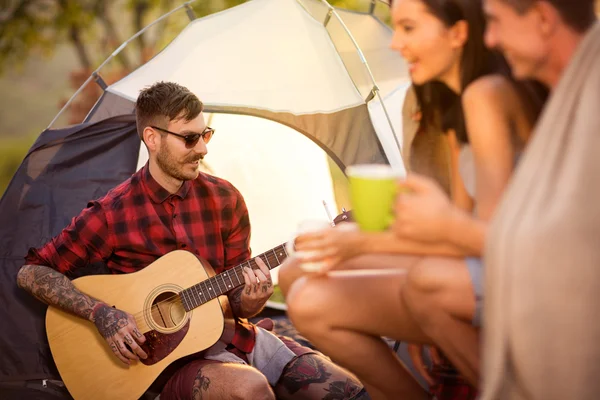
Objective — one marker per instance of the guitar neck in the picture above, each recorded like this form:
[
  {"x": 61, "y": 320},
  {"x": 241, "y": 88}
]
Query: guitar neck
[{"x": 222, "y": 283}]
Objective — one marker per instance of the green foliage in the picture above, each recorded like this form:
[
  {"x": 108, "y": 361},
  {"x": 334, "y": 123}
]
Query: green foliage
[{"x": 37, "y": 26}]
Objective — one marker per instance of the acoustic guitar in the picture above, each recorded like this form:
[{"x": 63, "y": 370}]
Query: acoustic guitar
[{"x": 175, "y": 303}]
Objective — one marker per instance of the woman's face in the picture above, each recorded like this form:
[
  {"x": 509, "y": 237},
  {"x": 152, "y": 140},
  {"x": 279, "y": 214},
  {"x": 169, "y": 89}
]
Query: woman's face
[{"x": 431, "y": 49}]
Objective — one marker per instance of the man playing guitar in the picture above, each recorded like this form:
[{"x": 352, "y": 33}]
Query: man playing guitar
[{"x": 169, "y": 205}]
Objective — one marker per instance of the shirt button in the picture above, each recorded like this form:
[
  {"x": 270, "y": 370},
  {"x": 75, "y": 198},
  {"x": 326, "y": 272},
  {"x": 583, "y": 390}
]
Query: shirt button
[
  {"x": 183, "y": 246},
  {"x": 174, "y": 216}
]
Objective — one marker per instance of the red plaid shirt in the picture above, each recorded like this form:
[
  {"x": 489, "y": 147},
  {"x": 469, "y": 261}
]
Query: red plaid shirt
[{"x": 139, "y": 221}]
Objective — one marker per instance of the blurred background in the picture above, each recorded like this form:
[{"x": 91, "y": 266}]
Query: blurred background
[{"x": 48, "y": 48}]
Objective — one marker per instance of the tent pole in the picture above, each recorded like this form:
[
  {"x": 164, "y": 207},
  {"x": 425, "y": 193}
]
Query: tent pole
[
  {"x": 327, "y": 18},
  {"x": 369, "y": 72},
  {"x": 190, "y": 11},
  {"x": 387, "y": 116}
]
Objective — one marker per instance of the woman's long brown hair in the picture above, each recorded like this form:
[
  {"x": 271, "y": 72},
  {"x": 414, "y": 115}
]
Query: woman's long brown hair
[{"x": 440, "y": 106}]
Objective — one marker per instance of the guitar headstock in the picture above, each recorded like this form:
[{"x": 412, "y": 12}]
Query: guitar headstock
[{"x": 345, "y": 216}]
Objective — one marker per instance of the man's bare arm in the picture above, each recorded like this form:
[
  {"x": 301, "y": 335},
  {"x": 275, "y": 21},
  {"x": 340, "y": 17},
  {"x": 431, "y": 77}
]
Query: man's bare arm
[{"x": 54, "y": 288}]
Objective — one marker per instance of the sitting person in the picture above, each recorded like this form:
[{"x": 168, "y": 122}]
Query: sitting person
[
  {"x": 488, "y": 123},
  {"x": 541, "y": 333},
  {"x": 165, "y": 206}
]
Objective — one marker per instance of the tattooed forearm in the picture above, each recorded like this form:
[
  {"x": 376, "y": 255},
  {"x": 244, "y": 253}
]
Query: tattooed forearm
[
  {"x": 53, "y": 288},
  {"x": 200, "y": 388}
]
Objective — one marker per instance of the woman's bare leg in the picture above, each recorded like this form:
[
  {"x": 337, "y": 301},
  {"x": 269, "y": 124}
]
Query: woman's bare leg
[
  {"x": 290, "y": 270},
  {"x": 439, "y": 294},
  {"x": 345, "y": 317}
]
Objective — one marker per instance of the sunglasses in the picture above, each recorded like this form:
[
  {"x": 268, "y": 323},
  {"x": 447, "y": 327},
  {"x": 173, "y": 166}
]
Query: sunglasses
[{"x": 191, "y": 140}]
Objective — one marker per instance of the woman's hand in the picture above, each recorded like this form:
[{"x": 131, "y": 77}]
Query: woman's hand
[
  {"x": 330, "y": 246},
  {"x": 423, "y": 211}
]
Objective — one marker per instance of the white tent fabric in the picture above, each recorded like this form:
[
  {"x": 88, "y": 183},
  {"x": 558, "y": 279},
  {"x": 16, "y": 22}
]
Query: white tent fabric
[
  {"x": 289, "y": 64},
  {"x": 278, "y": 55}
]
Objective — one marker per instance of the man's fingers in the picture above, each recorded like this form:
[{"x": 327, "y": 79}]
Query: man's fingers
[
  {"x": 249, "y": 278},
  {"x": 115, "y": 350},
  {"x": 139, "y": 337},
  {"x": 124, "y": 350},
  {"x": 263, "y": 267},
  {"x": 135, "y": 347},
  {"x": 261, "y": 276}
]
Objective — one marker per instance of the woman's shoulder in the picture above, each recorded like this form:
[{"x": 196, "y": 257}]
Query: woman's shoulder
[
  {"x": 494, "y": 91},
  {"x": 493, "y": 87}
]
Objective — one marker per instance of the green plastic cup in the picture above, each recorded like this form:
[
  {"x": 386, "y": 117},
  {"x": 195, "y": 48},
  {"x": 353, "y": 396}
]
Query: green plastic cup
[{"x": 373, "y": 190}]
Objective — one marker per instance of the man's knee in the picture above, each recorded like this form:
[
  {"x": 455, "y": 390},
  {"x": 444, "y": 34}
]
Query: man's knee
[
  {"x": 253, "y": 385},
  {"x": 231, "y": 382}
]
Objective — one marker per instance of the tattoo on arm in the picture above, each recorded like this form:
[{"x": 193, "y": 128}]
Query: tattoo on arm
[
  {"x": 201, "y": 385},
  {"x": 53, "y": 288}
]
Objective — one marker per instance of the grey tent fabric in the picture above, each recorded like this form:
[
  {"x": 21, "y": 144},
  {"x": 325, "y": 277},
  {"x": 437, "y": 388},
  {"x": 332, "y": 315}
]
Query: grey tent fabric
[
  {"x": 63, "y": 171},
  {"x": 347, "y": 135}
]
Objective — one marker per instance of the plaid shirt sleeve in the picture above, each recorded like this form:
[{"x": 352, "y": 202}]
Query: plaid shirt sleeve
[
  {"x": 85, "y": 240},
  {"x": 237, "y": 245}
]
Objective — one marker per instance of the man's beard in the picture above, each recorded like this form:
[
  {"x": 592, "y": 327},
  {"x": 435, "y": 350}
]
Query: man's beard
[{"x": 167, "y": 162}]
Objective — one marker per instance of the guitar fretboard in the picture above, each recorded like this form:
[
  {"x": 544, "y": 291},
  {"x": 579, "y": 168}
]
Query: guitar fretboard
[{"x": 222, "y": 283}]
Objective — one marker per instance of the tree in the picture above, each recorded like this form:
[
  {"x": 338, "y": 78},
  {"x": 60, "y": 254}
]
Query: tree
[{"x": 39, "y": 25}]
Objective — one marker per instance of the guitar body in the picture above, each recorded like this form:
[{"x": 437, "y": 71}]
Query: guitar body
[{"x": 86, "y": 364}]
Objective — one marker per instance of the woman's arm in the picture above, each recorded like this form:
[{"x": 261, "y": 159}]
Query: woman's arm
[{"x": 487, "y": 106}]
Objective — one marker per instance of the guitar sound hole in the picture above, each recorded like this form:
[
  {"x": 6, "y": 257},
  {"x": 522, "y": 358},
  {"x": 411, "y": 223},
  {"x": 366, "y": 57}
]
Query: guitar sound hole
[{"x": 167, "y": 310}]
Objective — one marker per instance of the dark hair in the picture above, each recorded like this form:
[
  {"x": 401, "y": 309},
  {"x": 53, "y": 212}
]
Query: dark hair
[
  {"x": 440, "y": 106},
  {"x": 164, "y": 102},
  {"x": 577, "y": 14}
]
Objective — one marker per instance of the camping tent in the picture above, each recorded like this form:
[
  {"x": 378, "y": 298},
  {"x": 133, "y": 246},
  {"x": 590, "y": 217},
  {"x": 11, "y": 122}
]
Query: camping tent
[{"x": 296, "y": 90}]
